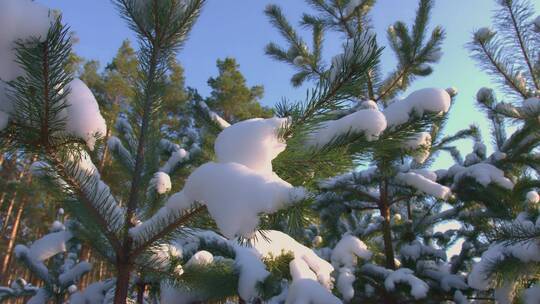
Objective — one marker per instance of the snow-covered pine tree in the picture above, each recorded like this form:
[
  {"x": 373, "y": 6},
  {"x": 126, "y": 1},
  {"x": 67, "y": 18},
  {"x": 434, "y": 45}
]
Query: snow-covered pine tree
[
  {"x": 46, "y": 112},
  {"x": 498, "y": 194},
  {"x": 392, "y": 203},
  {"x": 54, "y": 261}
]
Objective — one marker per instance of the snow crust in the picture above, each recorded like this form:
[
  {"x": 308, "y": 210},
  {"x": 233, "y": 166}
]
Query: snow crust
[
  {"x": 370, "y": 122},
  {"x": 428, "y": 100}
]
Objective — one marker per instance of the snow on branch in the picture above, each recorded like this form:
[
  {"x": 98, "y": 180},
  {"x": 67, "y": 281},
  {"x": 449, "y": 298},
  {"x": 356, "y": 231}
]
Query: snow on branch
[
  {"x": 429, "y": 100},
  {"x": 423, "y": 184}
]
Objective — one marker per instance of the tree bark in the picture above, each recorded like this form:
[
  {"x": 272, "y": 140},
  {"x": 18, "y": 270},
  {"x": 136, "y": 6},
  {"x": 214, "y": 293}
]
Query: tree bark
[
  {"x": 12, "y": 239},
  {"x": 384, "y": 208},
  {"x": 122, "y": 283},
  {"x": 140, "y": 292}
]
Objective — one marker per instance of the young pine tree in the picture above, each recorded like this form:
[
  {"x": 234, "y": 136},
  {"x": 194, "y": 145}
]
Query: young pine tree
[
  {"x": 392, "y": 202},
  {"x": 499, "y": 193}
]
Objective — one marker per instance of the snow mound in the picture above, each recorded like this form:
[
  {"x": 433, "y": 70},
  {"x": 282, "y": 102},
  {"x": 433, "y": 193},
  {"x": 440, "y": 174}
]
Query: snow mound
[
  {"x": 347, "y": 250},
  {"x": 252, "y": 143},
  {"x": 423, "y": 184},
  {"x": 483, "y": 173},
  {"x": 84, "y": 119},
  {"x": 235, "y": 195},
  {"x": 429, "y": 100},
  {"x": 161, "y": 182},
  {"x": 20, "y": 20},
  {"x": 419, "y": 288}
]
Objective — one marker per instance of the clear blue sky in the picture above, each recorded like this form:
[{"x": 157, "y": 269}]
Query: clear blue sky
[{"x": 238, "y": 28}]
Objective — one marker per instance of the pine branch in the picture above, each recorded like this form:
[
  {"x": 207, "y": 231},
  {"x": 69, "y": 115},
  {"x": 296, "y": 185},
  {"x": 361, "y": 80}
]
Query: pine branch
[
  {"x": 171, "y": 227},
  {"x": 75, "y": 185},
  {"x": 518, "y": 13}
]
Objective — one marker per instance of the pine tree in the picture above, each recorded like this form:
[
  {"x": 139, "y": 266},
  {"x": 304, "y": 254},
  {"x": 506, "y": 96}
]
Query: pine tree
[
  {"x": 392, "y": 202},
  {"x": 53, "y": 259},
  {"x": 498, "y": 194},
  {"x": 230, "y": 96}
]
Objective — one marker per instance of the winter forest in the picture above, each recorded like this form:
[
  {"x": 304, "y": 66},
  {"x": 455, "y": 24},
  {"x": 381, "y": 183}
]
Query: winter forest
[{"x": 120, "y": 183}]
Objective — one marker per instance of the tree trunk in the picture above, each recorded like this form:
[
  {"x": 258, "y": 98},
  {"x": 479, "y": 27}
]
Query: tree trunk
[
  {"x": 384, "y": 208},
  {"x": 122, "y": 283},
  {"x": 140, "y": 292},
  {"x": 105, "y": 151},
  {"x": 12, "y": 239},
  {"x": 9, "y": 211}
]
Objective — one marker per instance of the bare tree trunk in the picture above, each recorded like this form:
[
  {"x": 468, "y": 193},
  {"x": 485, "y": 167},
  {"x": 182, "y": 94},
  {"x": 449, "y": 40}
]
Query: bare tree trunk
[
  {"x": 140, "y": 292},
  {"x": 13, "y": 238},
  {"x": 9, "y": 211},
  {"x": 105, "y": 151},
  {"x": 122, "y": 283},
  {"x": 384, "y": 208}
]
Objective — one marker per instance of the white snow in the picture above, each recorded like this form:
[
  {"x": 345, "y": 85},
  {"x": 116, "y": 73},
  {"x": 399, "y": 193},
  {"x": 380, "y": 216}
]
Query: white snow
[
  {"x": 531, "y": 295},
  {"x": 423, "y": 184},
  {"x": 483, "y": 34},
  {"x": 428, "y": 100},
  {"x": 307, "y": 291},
  {"x": 74, "y": 274},
  {"x": 281, "y": 242},
  {"x": 485, "y": 95},
  {"x": 175, "y": 205},
  {"x": 317, "y": 241},
  {"x": 369, "y": 122},
  {"x": 84, "y": 119},
  {"x": 235, "y": 195},
  {"x": 161, "y": 182},
  {"x": 350, "y": 7},
  {"x": 92, "y": 294},
  {"x": 526, "y": 252},
  {"x": 201, "y": 258},
  {"x": 531, "y": 105},
  {"x": 213, "y": 115},
  {"x": 299, "y": 60},
  {"x": 4, "y": 118},
  {"x": 176, "y": 158},
  {"x": 419, "y": 288},
  {"x": 420, "y": 145},
  {"x": 483, "y": 173},
  {"x": 20, "y": 20},
  {"x": 347, "y": 250},
  {"x": 345, "y": 282},
  {"x": 533, "y": 197},
  {"x": 253, "y": 143},
  {"x": 305, "y": 265},
  {"x": 49, "y": 245}
]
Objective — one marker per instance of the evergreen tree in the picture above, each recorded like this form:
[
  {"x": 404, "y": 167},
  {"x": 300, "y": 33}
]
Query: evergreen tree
[
  {"x": 387, "y": 210},
  {"x": 230, "y": 95},
  {"x": 500, "y": 216}
]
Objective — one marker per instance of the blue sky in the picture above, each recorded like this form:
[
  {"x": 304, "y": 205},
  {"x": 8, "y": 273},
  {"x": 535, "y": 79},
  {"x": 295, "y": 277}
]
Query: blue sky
[{"x": 238, "y": 28}]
